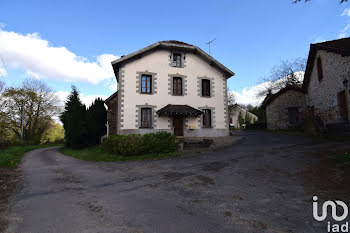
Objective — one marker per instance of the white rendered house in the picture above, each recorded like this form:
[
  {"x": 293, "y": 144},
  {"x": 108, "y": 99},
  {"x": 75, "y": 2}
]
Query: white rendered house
[{"x": 170, "y": 86}]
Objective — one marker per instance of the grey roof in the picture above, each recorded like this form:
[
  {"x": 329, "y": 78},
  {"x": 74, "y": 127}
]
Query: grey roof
[
  {"x": 173, "y": 44},
  {"x": 340, "y": 46},
  {"x": 178, "y": 110},
  {"x": 111, "y": 97}
]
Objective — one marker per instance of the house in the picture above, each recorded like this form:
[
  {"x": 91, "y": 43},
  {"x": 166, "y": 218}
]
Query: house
[
  {"x": 236, "y": 111},
  {"x": 169, "y": 86},
  {"x": 324, "y": 94}
]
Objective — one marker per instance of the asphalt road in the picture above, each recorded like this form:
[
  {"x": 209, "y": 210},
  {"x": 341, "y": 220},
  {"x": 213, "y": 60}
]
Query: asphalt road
[{"x": 256, "y": 186}]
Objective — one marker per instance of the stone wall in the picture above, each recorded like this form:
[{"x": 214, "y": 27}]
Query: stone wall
[
  {"x": 322, "y": 95},
  {"x": 277, "y": 110},
  {"x": 112, "y": 115}
]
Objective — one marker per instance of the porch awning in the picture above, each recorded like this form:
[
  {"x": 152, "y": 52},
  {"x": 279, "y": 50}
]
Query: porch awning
[{"x": 178, "y": 110}]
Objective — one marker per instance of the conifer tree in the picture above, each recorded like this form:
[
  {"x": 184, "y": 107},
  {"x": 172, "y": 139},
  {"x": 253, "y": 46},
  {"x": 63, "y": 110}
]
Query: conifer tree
[{"x": 74, "y": 121}]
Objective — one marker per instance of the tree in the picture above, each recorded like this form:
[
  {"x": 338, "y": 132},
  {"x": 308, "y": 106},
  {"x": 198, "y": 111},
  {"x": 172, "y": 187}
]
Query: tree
[
  {"x": 96, "y": 118},
  {"x": 240, "y": 119},
  {"x": 247, "y": 118},
  {"x": 231, "y": 100},
  {"x": 39, "y": 103},
  {"x": 288, "y": 73},
  {"x": 2, "y": 86},
  {"x": 74, "y": 121},
  {"x": 54, "y": 134}
]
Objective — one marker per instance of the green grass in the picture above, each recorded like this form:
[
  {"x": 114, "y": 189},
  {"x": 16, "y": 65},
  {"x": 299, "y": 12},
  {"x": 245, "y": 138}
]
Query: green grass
[
  {"x": 10, "y": 157},
  {"x": 343, "y": 159},
  {"x": 96, "y": 154}
]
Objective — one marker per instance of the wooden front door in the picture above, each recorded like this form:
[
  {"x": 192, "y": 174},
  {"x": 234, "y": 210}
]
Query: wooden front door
[
  {"x": 342, "y": 105},
  {"x": 178, "y": 124}
]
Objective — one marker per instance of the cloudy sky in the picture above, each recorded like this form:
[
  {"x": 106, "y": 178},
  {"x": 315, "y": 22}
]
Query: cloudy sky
[{"x": 73, "y": 42}]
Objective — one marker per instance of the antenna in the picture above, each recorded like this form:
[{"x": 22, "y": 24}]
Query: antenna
[{"x": 210, "y": 43}]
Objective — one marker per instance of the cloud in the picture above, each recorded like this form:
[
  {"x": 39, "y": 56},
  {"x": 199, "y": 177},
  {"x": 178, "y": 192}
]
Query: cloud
[
  {"x": 32, "y": 74},
  {"x": 342, "y": 35},
  {"x": 86, "y": 99},
  {"x": 319, "y": 40},
  {"x": 113, "y": 85},
  {"x": 346, "y": 12},
  {"x": 37, "y": 56},
  {"x": 248, "y": 95},
  {"x": 3, "y": 72}
]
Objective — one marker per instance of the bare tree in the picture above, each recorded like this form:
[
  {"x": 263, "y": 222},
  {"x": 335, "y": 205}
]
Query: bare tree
[
  {"x": 288, "y": 73},
  {"x": 2, "y": 86},
  {"x": 40, "y": 105}
]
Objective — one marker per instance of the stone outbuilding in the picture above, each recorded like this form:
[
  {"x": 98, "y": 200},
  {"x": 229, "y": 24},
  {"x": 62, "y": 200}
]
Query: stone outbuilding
[
  {"x": 286, "y": 109},
  {"x": 324, "y": 96}
]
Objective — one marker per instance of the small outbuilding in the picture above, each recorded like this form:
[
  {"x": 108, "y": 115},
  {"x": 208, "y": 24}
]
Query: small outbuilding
[{"x": 286, "y": 108}]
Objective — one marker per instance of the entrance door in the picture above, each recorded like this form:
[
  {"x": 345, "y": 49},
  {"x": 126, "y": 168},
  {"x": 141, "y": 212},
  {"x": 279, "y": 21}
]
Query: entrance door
[
  {"x": 178, "y": 126},
  {"x": 343, "y": 110}
]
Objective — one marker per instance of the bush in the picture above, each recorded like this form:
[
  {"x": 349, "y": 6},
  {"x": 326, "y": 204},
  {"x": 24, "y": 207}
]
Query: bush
[{"x": 136, "y": 144}]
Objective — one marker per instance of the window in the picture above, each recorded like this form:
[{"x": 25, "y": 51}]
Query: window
[
  {"x": 177, "y": 59},
  {"x": 146, "y": 117},
  {"x": 146, "y": 84},
  {"x": 206, "y": 118},
  {"x": 205, "y": 87},
  {"x": 319, "y": 69},
  {"x": 177, "y": 86}
]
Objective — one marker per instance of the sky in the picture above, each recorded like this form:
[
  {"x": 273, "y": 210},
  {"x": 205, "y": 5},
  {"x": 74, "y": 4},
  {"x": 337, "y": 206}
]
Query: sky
[{"x": 65, "y": 43}]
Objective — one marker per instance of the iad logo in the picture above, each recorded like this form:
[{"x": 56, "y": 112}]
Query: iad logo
[{"x": 333, "y": 205}]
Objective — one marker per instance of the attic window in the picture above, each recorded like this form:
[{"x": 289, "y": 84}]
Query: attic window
[
  {"x": 177, "y": 60},
  {"x": 319, "y": 69}
]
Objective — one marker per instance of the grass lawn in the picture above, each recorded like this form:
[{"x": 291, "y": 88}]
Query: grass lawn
[
  {"x": 96, "y": 154},
  {"x": 10, "y": 157}
]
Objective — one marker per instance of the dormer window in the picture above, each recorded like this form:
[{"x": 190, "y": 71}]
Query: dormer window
[
  {"x": 177, "y": 60},
  {"x": 319, "y": 69}
]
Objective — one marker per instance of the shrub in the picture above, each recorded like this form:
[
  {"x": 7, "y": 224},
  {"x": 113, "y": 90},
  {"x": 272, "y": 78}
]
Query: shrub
[{"x": 136, "y": 144}]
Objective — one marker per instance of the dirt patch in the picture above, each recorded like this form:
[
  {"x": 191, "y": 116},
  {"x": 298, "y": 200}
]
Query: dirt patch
[
  {"x": 91, "y": 206},
  {"x": 68, "y": 179},
  {"x": 205, "y": 179},
  {"x": 8, "y": 182},
  {"x": 326, "y": 178},
  {"x": 214, "y": 166},
  {"x": 228, "y": 213},
  {"x": 237, "y": 198},
  {"x": 175, "y": 176}
]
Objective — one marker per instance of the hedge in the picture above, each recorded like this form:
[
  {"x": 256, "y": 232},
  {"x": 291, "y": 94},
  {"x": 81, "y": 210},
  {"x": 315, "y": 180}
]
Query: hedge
[{"x": 136, "y": 144}]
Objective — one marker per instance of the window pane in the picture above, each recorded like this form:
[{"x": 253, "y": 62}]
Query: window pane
[
  {"x": 146, "y": 119},
  {"x": 207, "y": 117}
]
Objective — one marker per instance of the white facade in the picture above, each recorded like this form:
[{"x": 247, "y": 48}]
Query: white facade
[
  {"x": 158, "y": 64},
  {"x": 236, "y": 110}
]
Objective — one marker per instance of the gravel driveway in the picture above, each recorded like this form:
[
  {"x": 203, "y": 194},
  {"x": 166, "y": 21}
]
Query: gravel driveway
[{"x": 265, "y": 184}]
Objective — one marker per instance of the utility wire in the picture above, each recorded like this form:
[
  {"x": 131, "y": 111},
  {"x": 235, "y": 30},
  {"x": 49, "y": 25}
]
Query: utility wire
[{"x": 8, "y": 74}]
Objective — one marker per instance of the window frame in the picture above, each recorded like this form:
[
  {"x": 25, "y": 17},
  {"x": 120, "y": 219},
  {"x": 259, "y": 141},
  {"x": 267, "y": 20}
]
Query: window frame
[
  {"x": 176, "y": 59},
  {"x": 206, "y": 89},
  {"x": 148, "y": 80},
  {"x": 207, "y": 123},
  {"x": 319, "y": 68},
  {"x": 177, "y": 91},
  {"x": 146, "y": 112}
]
